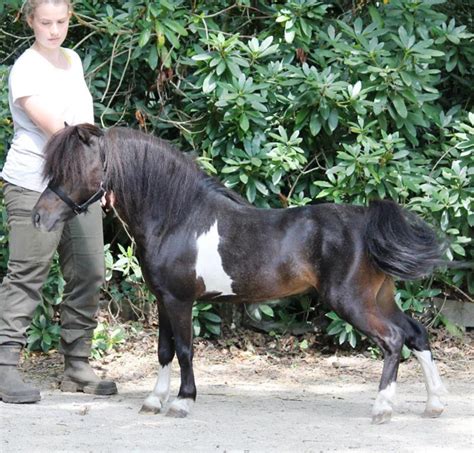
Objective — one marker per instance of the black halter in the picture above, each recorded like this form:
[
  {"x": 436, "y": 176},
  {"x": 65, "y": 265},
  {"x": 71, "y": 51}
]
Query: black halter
[{"x": 78, "y": 208}]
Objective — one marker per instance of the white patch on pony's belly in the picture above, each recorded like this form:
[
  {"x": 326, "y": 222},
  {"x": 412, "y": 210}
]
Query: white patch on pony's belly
[{"x": 209, "y": 263}]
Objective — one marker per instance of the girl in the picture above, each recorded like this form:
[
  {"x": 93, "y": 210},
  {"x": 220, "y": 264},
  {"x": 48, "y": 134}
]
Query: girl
[{"x": 46, "y": 89}]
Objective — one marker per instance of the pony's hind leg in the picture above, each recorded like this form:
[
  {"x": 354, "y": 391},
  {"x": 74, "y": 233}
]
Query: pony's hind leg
[
  {"x": 358, "y": 306},
  {"x": 416, "y": 338},
  {"x": 155, "y": 401},
  {"x": 434, "y": 386},
  {"x": 417, "y": 341}
]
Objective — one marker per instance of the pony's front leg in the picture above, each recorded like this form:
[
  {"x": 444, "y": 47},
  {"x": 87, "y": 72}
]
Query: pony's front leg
[
  {"x": 180, "y": 315},
  {"x": 156, "y": 400}
]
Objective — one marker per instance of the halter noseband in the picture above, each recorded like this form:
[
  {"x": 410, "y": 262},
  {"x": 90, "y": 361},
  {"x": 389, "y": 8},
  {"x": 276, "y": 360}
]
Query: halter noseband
[{"x": 78, "y": 208}]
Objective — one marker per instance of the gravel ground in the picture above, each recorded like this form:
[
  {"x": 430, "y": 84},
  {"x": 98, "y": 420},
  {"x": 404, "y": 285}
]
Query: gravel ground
[{"x": 248, "y": 400}]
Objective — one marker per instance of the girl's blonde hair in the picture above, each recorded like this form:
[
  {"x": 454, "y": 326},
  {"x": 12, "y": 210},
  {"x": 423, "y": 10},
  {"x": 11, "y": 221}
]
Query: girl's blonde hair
[{"x": 29, "y": 7}]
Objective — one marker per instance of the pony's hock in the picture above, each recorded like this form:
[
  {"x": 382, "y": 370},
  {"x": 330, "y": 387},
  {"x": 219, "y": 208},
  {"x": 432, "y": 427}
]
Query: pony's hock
[{"x": 197, "y": 239}]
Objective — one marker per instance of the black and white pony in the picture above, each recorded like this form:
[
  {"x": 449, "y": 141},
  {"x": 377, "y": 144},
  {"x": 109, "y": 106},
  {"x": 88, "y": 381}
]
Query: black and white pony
[{"x": 197, "y": 239}]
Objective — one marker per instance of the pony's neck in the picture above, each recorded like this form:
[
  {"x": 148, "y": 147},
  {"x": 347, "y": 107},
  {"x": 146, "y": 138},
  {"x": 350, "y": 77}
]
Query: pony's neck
[{"x": 150, "y": 179}]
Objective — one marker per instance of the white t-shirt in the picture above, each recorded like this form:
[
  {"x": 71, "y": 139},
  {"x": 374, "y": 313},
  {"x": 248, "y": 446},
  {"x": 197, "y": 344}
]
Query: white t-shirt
[{"x": 65, "y": 92}]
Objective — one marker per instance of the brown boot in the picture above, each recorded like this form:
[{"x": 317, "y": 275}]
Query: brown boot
[
  {"x": 12, "y": 387},
  {"x": 80, "y": 377}
]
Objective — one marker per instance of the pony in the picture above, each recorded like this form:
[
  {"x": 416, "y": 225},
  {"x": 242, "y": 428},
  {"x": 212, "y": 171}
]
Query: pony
[{"x": 197, "y": 239}]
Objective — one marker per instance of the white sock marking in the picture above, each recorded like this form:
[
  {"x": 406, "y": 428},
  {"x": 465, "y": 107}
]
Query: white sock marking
[
  {"x": 158, "y": 398},
  {"x": 385, "y": 399},
  {"x": 434, "y": 386},
  {"x": 209, "y": 263}
]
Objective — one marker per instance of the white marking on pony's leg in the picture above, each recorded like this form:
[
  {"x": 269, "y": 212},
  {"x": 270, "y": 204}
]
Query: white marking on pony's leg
[
  {"x": 209, "y": 263},
  {"x": 434, "y": 386},
  {"x": 383, "y": 406},
  {"x": 156, "y": 400},
  {"x": 180, "y": 407}
]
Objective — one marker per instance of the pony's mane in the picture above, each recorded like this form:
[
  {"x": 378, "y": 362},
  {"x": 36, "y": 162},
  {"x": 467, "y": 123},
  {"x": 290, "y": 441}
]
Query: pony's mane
[
  {"x": 147, "y": 173},
  {"x": 61, "y": 162}
]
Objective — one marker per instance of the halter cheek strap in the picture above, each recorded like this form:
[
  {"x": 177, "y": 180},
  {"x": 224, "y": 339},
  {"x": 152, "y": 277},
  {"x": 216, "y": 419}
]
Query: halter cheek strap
[{"x": 78, "y": 208}]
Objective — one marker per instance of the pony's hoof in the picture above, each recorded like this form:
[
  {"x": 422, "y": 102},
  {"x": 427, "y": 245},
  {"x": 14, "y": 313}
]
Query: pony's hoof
[
  {"x": 151, "y": 405},
  {"x": 180, "y": 408},
  {"x": 434, "y": 407},
  {"x": 383, "y": 417},
  {"x": 433, "y": 412},
  {"x": 149, "y": 409},
  {"x": 176, "y": 413}
]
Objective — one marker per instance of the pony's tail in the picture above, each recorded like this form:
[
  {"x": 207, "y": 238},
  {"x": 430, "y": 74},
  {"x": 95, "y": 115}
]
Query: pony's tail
[{"x": 400, "y": 243}]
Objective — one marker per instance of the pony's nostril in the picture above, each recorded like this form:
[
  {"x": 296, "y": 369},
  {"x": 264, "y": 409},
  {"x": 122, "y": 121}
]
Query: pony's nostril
[{"x": 36, "y": 219}]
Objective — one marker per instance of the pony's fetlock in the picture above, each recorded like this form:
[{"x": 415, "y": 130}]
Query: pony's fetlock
[{"x": 383, "y": 406}]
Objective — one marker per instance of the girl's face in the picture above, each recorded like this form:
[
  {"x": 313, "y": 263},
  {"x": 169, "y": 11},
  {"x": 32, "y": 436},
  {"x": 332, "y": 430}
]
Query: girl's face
[{"x": 50, "y": 24}]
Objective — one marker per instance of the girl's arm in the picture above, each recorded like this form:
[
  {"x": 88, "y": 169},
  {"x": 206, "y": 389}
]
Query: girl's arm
[{"x": 39, "y": 112}]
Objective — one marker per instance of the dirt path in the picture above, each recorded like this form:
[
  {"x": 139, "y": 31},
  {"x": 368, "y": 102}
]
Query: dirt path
[{"x": 246, "y": 402}]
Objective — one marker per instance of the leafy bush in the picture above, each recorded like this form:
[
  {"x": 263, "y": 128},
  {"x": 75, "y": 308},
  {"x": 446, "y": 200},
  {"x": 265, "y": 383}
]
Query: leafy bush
[
  {"x": 206, "y": 323},
  {"x": 106, "y": 338},
  {"x": 5, "y": 134},
  {"x": 295, "y": 102}
]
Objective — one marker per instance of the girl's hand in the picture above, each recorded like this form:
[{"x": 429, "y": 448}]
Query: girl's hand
[{"x": 107, "y": 201}]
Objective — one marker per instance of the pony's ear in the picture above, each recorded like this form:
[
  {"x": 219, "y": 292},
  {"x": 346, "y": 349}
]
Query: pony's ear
[
  {"x": 84, "y": 134},
  {"x": 65, "y": 124}
]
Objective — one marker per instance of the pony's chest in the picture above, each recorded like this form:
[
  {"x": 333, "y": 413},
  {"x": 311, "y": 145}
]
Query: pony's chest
[{"x": 209, "y": 265}]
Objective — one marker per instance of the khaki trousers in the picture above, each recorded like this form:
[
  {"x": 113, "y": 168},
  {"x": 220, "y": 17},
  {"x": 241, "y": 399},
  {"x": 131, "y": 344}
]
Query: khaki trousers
[{"x": 80, "y": 246}]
